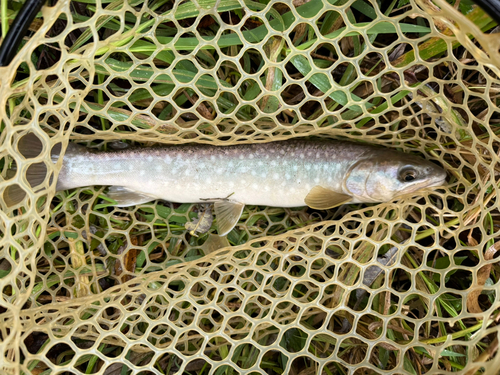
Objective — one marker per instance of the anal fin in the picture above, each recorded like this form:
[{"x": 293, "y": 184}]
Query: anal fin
[
  {"x": 126, "y": 197},
  {"x": 227, "y": 213}
]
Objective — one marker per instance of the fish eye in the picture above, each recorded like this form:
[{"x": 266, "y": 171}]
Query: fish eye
[{"x": 408, "y": 175}]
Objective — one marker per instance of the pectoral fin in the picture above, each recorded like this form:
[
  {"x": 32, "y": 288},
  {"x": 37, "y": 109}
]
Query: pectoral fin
[
  {"x": 227, "y": 213},
  {"x": 323, "y": 199},
  {"x": 126, "y": 197}
]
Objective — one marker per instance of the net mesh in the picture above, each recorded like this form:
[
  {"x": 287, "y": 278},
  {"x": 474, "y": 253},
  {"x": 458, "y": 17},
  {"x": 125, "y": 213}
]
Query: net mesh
[{"x": 407, "y": 287}]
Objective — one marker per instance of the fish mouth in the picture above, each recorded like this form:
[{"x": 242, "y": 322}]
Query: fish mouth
[{"x": 438, "y": 181}]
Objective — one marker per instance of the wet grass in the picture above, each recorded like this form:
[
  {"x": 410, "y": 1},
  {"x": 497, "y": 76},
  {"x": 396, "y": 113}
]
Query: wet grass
[{"x": 92, "y": 246}]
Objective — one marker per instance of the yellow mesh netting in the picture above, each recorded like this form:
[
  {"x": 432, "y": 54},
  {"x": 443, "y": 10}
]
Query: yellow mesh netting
[{"x": 88, "y": 288}]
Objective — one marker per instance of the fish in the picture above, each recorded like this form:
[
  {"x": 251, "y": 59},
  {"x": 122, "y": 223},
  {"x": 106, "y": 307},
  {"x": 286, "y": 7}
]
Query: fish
[{"x": 321, "y": 174}]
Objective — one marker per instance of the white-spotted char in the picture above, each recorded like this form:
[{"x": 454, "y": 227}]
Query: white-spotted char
[{"x": 320, "y": 174}]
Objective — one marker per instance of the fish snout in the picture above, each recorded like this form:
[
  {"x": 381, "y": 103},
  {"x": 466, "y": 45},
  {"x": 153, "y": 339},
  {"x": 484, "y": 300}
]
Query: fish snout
[{"x": 439, "y": 178}]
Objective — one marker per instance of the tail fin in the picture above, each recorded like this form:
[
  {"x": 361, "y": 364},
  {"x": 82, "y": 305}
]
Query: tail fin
[
  {"x": 35, "y": 174},
  {"x": 13, "y": 195},
  {"x": 29, "y": 146}
]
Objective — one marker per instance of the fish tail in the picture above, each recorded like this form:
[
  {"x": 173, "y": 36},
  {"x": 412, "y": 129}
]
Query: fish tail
[
  {"x": 35, "y": 174},
  {"x": 13, "y": 195},
  {"x": 30, "y": 146}
]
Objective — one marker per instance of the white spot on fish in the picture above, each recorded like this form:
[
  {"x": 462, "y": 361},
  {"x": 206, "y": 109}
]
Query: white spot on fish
[
  {"x": 158, "y": 168},
  {"x": 250, "y": 156},
  {"x": 241, "y": 157},
  {"x": 231, "y": 164},
  {"x": 308, "y": 167},
  {"x": 318, "y": 155},
  {"x": 267, "y": 156},
  {"x": 276, "y": 176},
  {"x": 316, "y": 179},
  {"x": 260, "y": 163},
  {"x": 317, "y": 166},
  {"x": 295, "y": 167},
  {"x": 287, "y": 176},
  {"x": 142, "y": 172},
  {"x": 302, "y": 156},
  {"x": 212, "y": 158},
  {"x": 309, "y": 153},
  {"x": 187, "y": 172},
  {"x": 255, "y": 186},
  {"x": 220, "y": 170},
  {"x": 150, "y": 158}
]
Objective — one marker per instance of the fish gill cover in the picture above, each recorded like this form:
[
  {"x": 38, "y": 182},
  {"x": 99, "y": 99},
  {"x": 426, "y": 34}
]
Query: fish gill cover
[{"x": 408, "y": 287}]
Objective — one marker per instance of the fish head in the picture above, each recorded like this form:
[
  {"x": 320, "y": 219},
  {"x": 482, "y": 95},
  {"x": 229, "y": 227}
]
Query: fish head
[{"x": 390, "y": 174}]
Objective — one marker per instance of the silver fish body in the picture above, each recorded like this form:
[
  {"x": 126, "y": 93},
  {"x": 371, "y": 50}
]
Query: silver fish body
[
  {"x": 274, "y": 174},
  {"x": 320, "y": 174}
]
